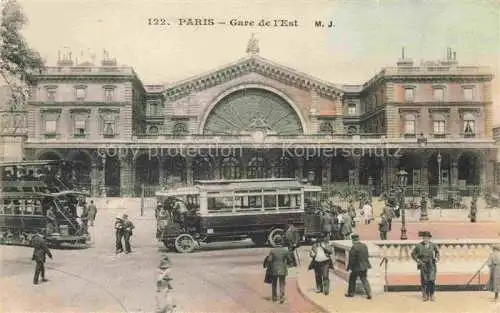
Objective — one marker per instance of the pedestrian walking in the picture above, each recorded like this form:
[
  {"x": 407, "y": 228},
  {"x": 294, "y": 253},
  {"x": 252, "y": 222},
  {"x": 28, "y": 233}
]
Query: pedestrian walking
[
  {"x": 359, "y": 264},
  {"x": 389, "y": 213},
  {"x": 119, "y": 234},
  {"x": 92, "y": 212},
  {"x": 367, "y": 212},
  {"x": 383, "y": 226},
  {"x": 84, "y": 217},
  {"x": 277, "y": 263},
  {"x": 321, "y": 263},
  {"x": 128, "y": 227},
  {"x": 346, "y": 225},
  {"x": 327, "y": 224},
  {"x": 164, "y": 303},
  {"x": 39, "y": 253},
  {"x": 473, "y": 210},
  {"x": 426, "y": 254},
  {"x": 292, "y": 237},
  {"x": 494, "y": 266}
]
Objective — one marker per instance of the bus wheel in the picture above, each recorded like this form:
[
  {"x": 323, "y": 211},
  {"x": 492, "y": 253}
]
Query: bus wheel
[
  {"x": 184, "y": 243},
  {"x": 259, "y": 240},
  {"x": 275, "y": 233}
]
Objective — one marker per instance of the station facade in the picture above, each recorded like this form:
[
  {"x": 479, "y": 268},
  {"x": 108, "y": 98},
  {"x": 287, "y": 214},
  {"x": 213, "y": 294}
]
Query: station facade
[{"x": 255, "y": 118}]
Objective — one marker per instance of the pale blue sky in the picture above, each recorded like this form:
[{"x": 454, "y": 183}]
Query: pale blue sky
[{"x": 368, "y": 35}]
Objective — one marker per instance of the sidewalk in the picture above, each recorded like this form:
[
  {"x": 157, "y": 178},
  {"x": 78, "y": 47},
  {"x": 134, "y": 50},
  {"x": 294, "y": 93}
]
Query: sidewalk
[{"x": 394, "y": 302}]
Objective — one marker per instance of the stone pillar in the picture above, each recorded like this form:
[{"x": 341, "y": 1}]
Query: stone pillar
[
  {"x": 356, "y": 162},
  {"x": 327, "y": 170},
  {"x": 299, "y": 168},
  {"x": 454, "y": 172},
  {"x": 455, "y": 127},
  {"x": 161, "y": 171},
  {"x": 126, "y": 177},
  {"x": 424, "y": 174},
  {"x": 94, "y": 180},
  {"x": 189, "y": 170}
]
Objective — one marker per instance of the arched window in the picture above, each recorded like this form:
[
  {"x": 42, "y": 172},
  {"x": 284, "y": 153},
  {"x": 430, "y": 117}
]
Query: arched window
[
  {"x": 180, "y": 129},
  {"x": 153, "y": 130},
  {"x": 202, "y": 168},
  {"x": 257, "y": 168},
  {"x": 469, "y": 124},
  {"x": 326, "y": 128},
  {"x": 409, "y": 124},
  {"x": 230, "y": 168}
]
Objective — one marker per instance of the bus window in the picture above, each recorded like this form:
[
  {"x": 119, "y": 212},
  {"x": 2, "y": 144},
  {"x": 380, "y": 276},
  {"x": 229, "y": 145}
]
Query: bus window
[
  {"x": 220, "y": 204},
  {"x": 254, "y": 202},
  {"x": 269, "y": 202},
  {"x": 288, "y": 201}
]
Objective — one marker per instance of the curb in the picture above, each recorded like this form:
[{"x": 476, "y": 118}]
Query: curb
[{"x": 307, "y": 297}]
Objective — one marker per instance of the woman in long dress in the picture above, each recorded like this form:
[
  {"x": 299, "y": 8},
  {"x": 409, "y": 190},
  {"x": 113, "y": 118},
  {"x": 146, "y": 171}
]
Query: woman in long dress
[{"x": 494, "y": 265}]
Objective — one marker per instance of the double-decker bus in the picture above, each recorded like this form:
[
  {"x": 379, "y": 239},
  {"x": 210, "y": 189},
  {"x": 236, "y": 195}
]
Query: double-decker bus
[
  {"x": 34, "y": 200},
  {"x": 226, "y": 210}
]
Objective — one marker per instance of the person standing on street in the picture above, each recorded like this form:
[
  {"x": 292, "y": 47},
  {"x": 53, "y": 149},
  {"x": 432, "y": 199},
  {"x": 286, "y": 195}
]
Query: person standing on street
[
  {"x": 128, "y": 226},
  {"x": 426, "y": 254},
  {"x": 321, "y": 262},
  {"x": 292, "y": 237},
  {"x": 346, "y": 228},
  {"x": 84, "y": 217},
  {"x": 39, "y": 252},
  {"x": 359, "y": 264},
  {"x": 389, "y": 213},
  {"x": 383, "y": 226},
  {"x": 92, "y": 212},
  {"x": 367, "y": 212},
  {"x": 473, "y": 210},
  {"x": 494, "y": 266},
  {"x": 327, "y": 224},
  {"x": 278, "y": 260},
  {"x": 119, "y": 234}
]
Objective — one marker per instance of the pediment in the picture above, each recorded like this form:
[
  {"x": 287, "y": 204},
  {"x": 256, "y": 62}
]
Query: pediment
[{"x": 253, "y": 64}]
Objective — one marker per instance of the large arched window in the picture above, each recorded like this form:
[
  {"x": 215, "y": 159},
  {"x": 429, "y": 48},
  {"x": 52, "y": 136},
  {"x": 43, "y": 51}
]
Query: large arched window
[{"x": 230, "y": 168}]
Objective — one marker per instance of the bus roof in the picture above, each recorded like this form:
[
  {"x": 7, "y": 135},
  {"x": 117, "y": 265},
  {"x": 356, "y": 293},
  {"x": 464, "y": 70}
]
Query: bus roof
[
  {"x": 178, "y": 192},
  {"x": 65, "y": 193},
  {"x": 29, "y": 163},
  {"x": 233, "y": 181}
]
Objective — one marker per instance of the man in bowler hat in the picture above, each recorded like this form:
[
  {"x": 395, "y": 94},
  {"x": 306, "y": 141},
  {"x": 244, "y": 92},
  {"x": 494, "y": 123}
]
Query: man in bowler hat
[
  {"x": 278, "y": 260},
  {"x": 39, "y": 252},
  {"x": 426, "y": 254},
  {"x": 359, "y": 264}
]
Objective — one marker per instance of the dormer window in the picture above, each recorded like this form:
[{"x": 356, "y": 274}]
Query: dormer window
[
  {"x": 80, "y": 92},
  {"x": 351, "y": 109},
  {"x": 409, "y": 94},
  {"x": 438, "y": 94},
  {"x": 468, "y": 93}
]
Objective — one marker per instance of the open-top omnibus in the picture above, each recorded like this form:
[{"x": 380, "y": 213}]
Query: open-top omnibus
[{"x": 226, "y": 210}]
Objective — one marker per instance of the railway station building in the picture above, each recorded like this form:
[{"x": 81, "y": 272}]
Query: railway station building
[{"x": 256, "y": 118}]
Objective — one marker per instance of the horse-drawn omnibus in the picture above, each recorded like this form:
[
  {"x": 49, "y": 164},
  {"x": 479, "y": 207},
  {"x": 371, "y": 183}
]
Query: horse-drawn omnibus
[
  {"x": 32, "y": 203},
  {"x": 226, "y": 210}
]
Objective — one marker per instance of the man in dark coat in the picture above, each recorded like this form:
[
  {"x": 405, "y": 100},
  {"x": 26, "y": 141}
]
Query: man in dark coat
[
  {"x": 119, "y": 234},
  {"x": 473, "y": 210},
  {"x": 327, "y": 224},
  {"x": 426, "y": 254},
  {"x": 383, "y": 226},
  {"x": 128, "y": 227},
  {"x": 321, "y": 253},
  {"x": 39, "y": 252},
  {"x": 359, "y": 264},
  {"x": 292, "y": 238},
  {"x": 278, "y": 260}
]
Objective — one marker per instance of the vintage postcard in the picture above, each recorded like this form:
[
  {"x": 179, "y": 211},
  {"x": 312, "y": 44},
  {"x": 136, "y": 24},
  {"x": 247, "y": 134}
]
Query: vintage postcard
[{"x": 249, "y": 156}]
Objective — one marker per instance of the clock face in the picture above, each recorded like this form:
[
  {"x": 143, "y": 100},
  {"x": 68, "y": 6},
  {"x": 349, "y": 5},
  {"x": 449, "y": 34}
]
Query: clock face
[{"x": 252, "y": 110}]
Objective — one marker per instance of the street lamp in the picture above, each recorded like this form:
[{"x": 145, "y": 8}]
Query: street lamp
[
  {"x": 439, "y": 159},
  {"x": 402, "y": 180}
]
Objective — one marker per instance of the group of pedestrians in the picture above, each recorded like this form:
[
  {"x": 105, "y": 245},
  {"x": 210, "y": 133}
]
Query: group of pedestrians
[{"x": 123, "y": 231}]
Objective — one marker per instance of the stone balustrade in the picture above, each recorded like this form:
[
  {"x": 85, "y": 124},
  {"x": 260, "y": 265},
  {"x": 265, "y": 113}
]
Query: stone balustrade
[{"x": 457, "y": 256}]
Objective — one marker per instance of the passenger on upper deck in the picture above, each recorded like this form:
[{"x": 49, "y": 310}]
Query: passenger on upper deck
[
  {"x": 30, "y": 175},
  {"x": 7, "y": 175}
]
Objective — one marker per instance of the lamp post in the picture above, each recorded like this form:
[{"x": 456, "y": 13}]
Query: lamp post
[
  {"x": 402, "y": 180},
  {"x": 439, "y": 159}
]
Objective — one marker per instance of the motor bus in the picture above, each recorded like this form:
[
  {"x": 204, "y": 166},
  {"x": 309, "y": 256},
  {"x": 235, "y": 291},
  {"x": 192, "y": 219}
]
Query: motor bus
[{"x": 227, "y": 210}]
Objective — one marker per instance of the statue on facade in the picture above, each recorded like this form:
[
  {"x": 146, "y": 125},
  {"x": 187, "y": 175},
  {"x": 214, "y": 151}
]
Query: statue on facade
[{"x": 253, "y": 45}]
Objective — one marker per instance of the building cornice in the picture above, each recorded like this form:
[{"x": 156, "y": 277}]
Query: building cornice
[
  {"x": 79, "y": 104},
  {"x": 440, "y": 104},
  {"x": 254, "y": 64}
]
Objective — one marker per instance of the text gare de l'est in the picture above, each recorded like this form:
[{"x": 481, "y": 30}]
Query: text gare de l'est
[{"x": 277, "y": 22}]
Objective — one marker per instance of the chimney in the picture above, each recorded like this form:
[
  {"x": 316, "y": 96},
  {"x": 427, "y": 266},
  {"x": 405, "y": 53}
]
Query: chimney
[
  {"x": 66, "y": 60},
  {"x": 404, "y": 62},
  {"x": 106, "y": 61}
]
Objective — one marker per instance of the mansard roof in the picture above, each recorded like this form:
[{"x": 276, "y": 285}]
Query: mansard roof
[{"x": 253, "y": 64}]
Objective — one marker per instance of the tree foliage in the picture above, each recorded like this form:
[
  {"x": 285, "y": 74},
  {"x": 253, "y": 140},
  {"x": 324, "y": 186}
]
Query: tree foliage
[{"x": 18, "y": 62}]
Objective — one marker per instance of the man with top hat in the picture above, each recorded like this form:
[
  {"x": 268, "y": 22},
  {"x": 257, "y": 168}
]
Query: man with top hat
[
  {"x": 359, "y": 264},
  {"x": 426, "y": 254},
  {"x": 278, "y": 261},
  {"x": 119, "y": 234}
]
